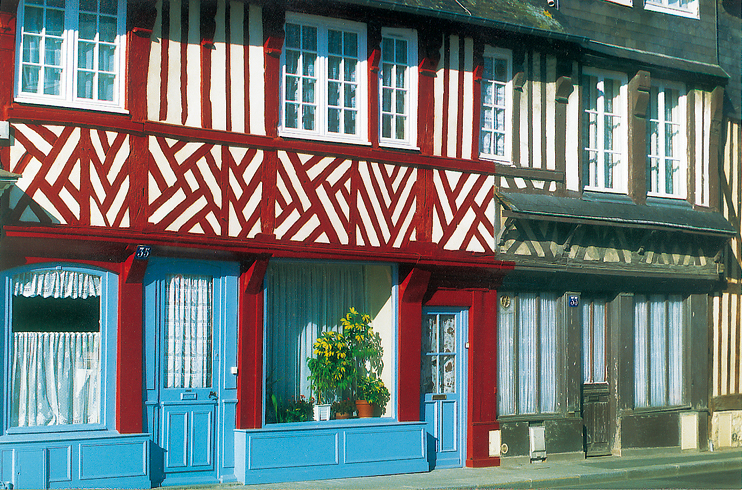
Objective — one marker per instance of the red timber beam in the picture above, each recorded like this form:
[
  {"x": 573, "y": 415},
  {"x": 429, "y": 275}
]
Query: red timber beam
[
  {"x": 129, "y": 362},
  {"x": 411, "y": 293},
  {"x": 250, "y": 346},
  {"x": 8, "y": 9}
]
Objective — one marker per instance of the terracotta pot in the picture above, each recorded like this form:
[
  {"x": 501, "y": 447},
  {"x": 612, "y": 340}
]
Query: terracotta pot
[{"x": 365, "y": 409}]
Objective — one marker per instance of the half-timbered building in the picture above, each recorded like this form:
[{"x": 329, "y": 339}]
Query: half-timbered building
[{"x": 524, "y": 201}]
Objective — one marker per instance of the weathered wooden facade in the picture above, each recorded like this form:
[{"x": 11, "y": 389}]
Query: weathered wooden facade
[
  {"x": 525, "y": 208},
  {"x": 726, "y": 383}
]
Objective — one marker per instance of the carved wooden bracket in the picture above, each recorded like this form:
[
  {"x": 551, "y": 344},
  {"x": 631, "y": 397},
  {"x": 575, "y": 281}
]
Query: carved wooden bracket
[
  {"x": 564, "y": 89},
  {"x": 639, "y": 87}
]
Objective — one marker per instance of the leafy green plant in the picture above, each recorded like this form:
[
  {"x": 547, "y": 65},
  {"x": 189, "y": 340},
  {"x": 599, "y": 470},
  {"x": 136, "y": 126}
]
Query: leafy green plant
[
  {"x": 333, "y": 367},
  {"x": 372, "y": 389},
  {"x": 343, "y": 406},
  {"x": 364, "y": 343},
  {"x": 299, "y": 410}
]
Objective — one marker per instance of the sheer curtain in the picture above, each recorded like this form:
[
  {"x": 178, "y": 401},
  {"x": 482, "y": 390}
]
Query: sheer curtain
[
  {"x": 505, "y": 356},
  {"x": 56, "y": 374},
  {"x": 305, "y": 300},
  {"x": 188, "y": 331}
]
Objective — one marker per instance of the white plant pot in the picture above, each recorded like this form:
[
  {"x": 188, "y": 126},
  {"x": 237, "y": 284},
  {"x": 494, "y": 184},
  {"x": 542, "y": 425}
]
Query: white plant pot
[{"x": 321, "y": 412}]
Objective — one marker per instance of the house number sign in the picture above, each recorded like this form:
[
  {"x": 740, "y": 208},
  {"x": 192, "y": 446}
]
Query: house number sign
[
  {"x": 142, "y": 252},
  {"x": 574, "y": 301}
]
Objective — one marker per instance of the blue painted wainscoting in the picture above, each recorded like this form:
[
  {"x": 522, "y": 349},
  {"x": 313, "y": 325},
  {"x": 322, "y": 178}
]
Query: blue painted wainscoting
[
  {"x": 334, "y": 449},
  {"x": 75, "y": 460}
]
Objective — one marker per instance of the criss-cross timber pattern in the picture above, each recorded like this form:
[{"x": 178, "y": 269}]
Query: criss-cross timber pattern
[
  {"x": 338, "y": 201},
  {"x": 72, "y": 176},
  {"x": 464, "y": 211}
]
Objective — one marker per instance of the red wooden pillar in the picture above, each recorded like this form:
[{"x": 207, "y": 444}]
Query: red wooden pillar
[
  {"x": 482, "y": 399},
  {"x": 250, "y": 347},
  {"x": 129, "y": 366},
  {"x": 7, "y": 59},
  {"x": 411, "y": 293}
]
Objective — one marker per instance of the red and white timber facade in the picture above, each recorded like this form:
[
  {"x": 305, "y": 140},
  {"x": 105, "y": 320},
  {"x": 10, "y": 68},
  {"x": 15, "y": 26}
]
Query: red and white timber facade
[{"x": 195, "y": 169}]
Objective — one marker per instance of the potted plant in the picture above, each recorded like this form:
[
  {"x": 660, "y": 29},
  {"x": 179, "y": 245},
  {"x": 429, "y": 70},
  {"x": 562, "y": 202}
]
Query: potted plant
[
  {"x": 374, "y": 394},
  {"x": 343, "y": 409},
  {"x": 330, "y": 370}
]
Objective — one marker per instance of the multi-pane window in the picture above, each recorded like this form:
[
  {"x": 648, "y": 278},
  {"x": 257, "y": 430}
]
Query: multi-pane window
[
  {"x": 688, "y": 8},
  {"x": 397, "y": 83},
  {"x": 71, "y": 53},
  {"x": 323, "y": 78},
  {"x": 495, "y": 100},
  {"x": 658, "y": 351},
  {"x": 527, "y": 353},
  {"x": 666, "y": 142},
  {"x": 603, "y": 136},
  {"x": 594, "y": 341}
]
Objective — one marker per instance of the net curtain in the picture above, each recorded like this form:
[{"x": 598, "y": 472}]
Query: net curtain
[
  {"x": 56, "y": 375},
  {"x": 305, "y": 300}
]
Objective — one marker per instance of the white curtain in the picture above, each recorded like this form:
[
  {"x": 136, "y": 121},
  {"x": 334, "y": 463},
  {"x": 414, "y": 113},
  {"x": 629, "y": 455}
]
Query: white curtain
[
  {"x": 56, "y": 283},
  {"x": 305, "y": 300},
  {"x": 506, "y": 357},
  {"x": 657, "y": 351},
  {"x": 56, "y": 378},
  {"x": 55, "y": 374},
  {"x": 188, "y": 331},
  {"x": 548, "y": 319},
  {"x": 527, "y": 353},
  {"x": 641, "y": 359},
  {"x": 675, "y": 341}
]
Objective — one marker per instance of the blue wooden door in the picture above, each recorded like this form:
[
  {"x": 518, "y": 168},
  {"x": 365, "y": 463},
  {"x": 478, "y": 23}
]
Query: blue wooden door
[
  {"x": 443, "y": 385},
  {"x": 188, "y": 329}
]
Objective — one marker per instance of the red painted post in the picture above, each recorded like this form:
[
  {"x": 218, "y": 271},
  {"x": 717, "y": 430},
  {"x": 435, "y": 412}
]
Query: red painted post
[
  {"x": 250, "y": 347},
  {"x": 411, "y": 292}
]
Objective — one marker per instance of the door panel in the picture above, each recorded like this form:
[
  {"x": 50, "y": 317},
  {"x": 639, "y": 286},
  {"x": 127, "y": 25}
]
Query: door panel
[
  {"x": 443, "y": 385},
  {"x": 596, "y": 419}
]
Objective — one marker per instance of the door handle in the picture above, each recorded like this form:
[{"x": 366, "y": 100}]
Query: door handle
[{"x": 213, "y": 395}]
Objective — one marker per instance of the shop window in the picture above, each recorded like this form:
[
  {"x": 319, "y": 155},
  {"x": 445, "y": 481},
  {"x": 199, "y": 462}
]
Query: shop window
[
  {"x": 71, "y": 53},
  {"x": 324, "y": 89},
  {"x": 658, "y": 351},
  {"x": 666, "y": 141},
  {"x": 398, "y": 86},
  {"x": 594, "y": 338},
  {"x": 604, "y": 132},
  {"x": 306, "y": 299},
  {"x": 62, "y": 339},
  {"x": 495, "y": 104},
  {"x": 527, "y": 353}
]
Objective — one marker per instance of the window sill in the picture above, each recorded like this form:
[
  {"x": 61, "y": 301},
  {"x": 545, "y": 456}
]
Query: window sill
[
  {"x": 289, "y": 134},
  {"x": 690, "y": 14},
  {"x": 330, "y": 424},
  {"x": 667, "y": 408},
  {"x": 531, "y": 417},
  {"x": 70, "y": 105},
  {"x": 45, "y": 435}
]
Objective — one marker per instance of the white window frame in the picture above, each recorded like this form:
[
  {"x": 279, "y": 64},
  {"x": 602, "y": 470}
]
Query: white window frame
[
  {"x": 68, "y": 91},
  {"x": 321, "y": 132},
  {"x": 620, "y": 143},
  {"x": 410, "y": 139},
  {"x": 681, "y": 144},
  {"x": 108, "y": 338},
  {"x": 506, "y": 157},
  {"x": 627, "y": 3},
  {"x": 691, "y": 11}
]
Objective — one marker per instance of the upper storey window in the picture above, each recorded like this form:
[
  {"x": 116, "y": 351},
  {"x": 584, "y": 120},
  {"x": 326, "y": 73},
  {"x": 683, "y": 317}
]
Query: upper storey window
[
  {"x": 666, "y": 165},
  {"x": 324, "y": 89},
  {"x": 70, "y": 53},
  {"x": 495, "y": 110},
  {"x": 604, "y": 132},
  {"x": 686, "y": 8},
  {"x": 398, "y": 83}
]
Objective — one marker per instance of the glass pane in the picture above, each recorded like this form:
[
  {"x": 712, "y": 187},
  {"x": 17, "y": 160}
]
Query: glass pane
[
  {"x": 307, "y": 93},
  {"x": 188, "y": 331},
  {"x": 500, "y": 119},
  {"x": 33, "y": 20},
  {"x": 333, "y": 68},
  {"x": 350, "y": 122},
  {"x": 387, "y": 50},
  {"x": 448, "y": 373},
  {"x": 351, "y": 44},
  {"x": 387, "y": 72},
  {"x": 292, "y": 116},
  {"x": 448, "y": 333},
  {"x": 527, "y": 353},
  {"x": 487, "y": 143},
  {"x": 500, "y": 144},
  {"x": 307, "y": 119},
  {"x": 105, "y": 86},
  {"x": 386, "y": 126},
  {"x": 31, "y": 45},
  {"x": 658, "y": 346},
  {"x": 88, "y": 26},
  {"x": 587, "y": 343},
  {"x": 54, "y": 22},
  {"x": 501, "y": 70},
  {"x": 548, "y": 354},
  {"x": 500, "y": 94},
  {"x": 430, "y": 334},
  {"x": 309, "y": 38},
  {"x": 333, "y": 120},
  {"x": 53, "y": 52},
  {"x": 109, "y": 7},
  {"x": 293, "y": 34},
  {"x": 30, "y": 79},
  {"x": 386, "y": 100},
  {"x": 401, "y": 97},
  {"x": 599, "y": 326},
  {"x": 86, "y": 55},
  {"x": 333, "y": 93},
  {"x": 487, "y": 93},
  {"x": 429, "y": 381},
  {"x": 401, "y": 52},
  {"x": 335, "y": 42},
  {"x": 51, "y": 3},
  {"x": 292, "y": 88},
  {"x": 85, "y": 81},
  {"x": 641, "y": 359},
  {"x": 309, "y": 62},
  {"x": 89, "y": 5},
  {"x": 350, "y": 96},
  {"x": 107, "y": 29},
  {"x": 292, "y": 62},
  {"x": 488, "y": 71},
  {"x": 675, "y": 352},
  {"x": 52, "y": 81},
  {"x": 350, "y": 70},
  {"x": 400, "y": 120}
]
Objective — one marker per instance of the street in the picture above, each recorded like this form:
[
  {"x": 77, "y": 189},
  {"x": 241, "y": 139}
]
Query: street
[{"x": 727, "y": 479}]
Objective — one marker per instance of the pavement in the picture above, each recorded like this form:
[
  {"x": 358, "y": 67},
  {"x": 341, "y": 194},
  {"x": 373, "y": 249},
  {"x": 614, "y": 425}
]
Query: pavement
[{"x": 582, "y": 472}]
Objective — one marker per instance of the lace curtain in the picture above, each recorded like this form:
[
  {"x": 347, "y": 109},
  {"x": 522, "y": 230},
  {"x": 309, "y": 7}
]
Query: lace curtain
[{"x": 56, "y": 375}]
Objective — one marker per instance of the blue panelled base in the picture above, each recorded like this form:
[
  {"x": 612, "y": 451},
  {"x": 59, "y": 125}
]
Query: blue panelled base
[
  {"x": 103, "y": 459},
  {"x": 333, "y": 449}
]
